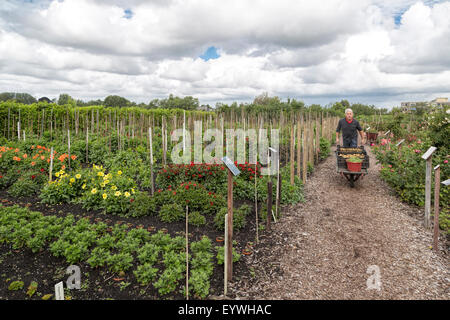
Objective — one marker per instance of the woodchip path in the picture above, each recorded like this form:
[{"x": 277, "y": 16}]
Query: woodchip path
[{"x": 323, "y": 248}]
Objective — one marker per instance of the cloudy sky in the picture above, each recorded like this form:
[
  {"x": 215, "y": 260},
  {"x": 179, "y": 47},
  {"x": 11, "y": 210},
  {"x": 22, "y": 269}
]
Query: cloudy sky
[{"x": 378, "y": 52}]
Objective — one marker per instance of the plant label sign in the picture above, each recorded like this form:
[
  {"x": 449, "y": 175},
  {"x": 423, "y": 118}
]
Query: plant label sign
[
  {"x": 273, "y": 150},
  {"x": 59, "y": 291},
  {"x": 387, "y": 132},
  {"x": 446, "y": 182},
  {"x": 429, "y": 152},
  {"x": 230, "y": 165},
  {"x": 400, "y": 142}
]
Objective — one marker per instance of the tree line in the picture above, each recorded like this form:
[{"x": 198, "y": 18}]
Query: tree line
[{"x": 262, "y": 103}]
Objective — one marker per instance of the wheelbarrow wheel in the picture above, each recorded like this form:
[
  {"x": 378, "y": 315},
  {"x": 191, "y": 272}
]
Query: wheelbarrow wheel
[{"x": 352, "y": 181}]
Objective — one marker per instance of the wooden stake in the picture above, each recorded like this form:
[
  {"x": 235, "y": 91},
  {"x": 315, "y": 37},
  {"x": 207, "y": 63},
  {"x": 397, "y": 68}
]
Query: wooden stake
[
  {"x": 151, "y": 159},
  {"x": 292, "y": 156},
  {"x": 187, "y": 254},
  {"x": 256, "y": 205},
  {"x": 428, "y": 192},
  {"x": 225, "y": 259},
  {"x": 299, "y": 133},
  {"x": 230, "y": 225},
  {"x": 87, "y": 145},
  {"x": 437, "y": 185}
]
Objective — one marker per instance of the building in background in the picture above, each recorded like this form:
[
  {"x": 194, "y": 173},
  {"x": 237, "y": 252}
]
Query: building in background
[{"x": 412, "y": 106}]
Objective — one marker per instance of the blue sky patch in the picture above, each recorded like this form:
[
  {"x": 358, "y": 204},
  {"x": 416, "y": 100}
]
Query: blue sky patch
[
  {"x": 210, "y": 53},
  {"x": 128, "y": 14}
]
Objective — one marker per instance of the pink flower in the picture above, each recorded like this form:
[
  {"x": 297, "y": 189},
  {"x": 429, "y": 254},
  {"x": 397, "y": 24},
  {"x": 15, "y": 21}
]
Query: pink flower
[
  {"x": 390, "y": 166},
  {"x": 445, "y": 161}
]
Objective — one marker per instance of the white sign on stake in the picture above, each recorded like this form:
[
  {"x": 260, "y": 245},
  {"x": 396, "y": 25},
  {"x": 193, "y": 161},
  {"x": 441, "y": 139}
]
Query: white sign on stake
[
  {"x": 446, "y": 182},
  {"x": 429, "y": 152},
  {"x": 230, "y": 165},
  {"x": 59, "y": 291},
  {"x": 387, "y": 132}
]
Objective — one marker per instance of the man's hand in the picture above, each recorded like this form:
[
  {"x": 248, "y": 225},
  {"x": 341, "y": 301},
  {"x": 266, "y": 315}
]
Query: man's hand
[{"x": 337, "y": 140}]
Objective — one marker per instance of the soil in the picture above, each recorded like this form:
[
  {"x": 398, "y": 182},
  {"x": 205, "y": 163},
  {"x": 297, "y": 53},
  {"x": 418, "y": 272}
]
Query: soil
[
  {"x": 326, "y": 247},
  {"x": 47, "y": 270}
]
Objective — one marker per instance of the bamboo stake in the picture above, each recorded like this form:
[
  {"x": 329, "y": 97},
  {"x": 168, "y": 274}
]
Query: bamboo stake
[
  {"x": 292, "y": 157},
  {"x": 187, "y": 254},
  {"x": 299, "y": 133},
  {"x": 151, "y": 159},
  {"x": 256, "y": 204}
]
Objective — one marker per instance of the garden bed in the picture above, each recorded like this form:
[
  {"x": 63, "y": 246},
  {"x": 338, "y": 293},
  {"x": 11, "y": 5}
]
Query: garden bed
[{"x": 47, "y": 270}]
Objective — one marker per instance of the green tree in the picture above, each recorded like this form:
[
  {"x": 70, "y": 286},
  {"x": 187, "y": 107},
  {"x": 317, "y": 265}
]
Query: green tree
[
  {"x": 116, "y": 101},
  {"x": 24, "y": 98},
  {"x": 64, "y": 99}
]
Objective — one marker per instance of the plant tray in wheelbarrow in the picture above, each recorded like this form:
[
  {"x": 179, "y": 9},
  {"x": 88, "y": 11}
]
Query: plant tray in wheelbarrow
[
  {"x": 354, "y": 164},
  {"x": 344, "y": 154}
]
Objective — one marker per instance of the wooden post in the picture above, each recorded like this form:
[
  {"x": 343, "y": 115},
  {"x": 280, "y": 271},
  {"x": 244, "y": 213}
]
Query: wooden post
[
  {"x": 87, "y": 144},
  {"x": 437, "y": 184},
  {"x": 225, "y": 259},
  {"x": 317, "y": 145},
  {"x": 9, "y": 117},
  {"x": 427, "y": 192},
  {"x": 230, "y": 225},
  {"x": 299, "y": 138},
  {"x": 304, "y": 151},
  {"x": 292, "y": 152},
  {"x": 68, "y": 145}
]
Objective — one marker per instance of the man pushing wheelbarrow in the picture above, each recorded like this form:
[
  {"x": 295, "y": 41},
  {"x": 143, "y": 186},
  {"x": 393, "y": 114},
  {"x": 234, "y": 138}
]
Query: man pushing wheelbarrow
[
  {"x": 352, "y": 161},
  {"x": 350, "y": 128}
]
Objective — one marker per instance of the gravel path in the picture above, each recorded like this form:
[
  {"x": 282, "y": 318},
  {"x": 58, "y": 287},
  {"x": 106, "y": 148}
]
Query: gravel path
[{"x": 322, "y": 249}]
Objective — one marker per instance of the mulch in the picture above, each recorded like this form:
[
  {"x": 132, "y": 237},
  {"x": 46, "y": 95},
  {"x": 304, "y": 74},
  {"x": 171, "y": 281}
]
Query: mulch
[{"x": 325, "y": 248}]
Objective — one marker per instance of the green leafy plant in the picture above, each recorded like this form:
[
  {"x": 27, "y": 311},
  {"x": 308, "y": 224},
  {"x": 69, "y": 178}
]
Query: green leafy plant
[
  {"x": 171, "y": 213},
  {"x": 99, "y": 257},
  {"x": 221, "y": 254},
  {"x": 145, "y": 273},
  {"x": 16, "y": 285},
  {"x": 120, "y": 262},
  {"x": 197, "y": 219}
]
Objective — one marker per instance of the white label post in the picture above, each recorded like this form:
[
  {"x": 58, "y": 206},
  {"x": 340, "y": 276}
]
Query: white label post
[
  {"x": 59, "y": 291},
  {"x": 428, "y": 157}
]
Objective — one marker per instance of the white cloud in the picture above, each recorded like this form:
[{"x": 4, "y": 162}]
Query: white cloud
[{"x": 297, "y": 49}]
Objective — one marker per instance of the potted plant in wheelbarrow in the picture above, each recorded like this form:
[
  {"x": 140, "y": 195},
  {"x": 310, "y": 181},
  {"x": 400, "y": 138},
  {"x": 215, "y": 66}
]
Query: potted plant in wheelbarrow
[{"x": 354, "y": 164}]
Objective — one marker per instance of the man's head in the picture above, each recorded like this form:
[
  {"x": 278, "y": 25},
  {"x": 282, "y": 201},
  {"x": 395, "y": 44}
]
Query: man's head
[{"x": 349, "y": 114}]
